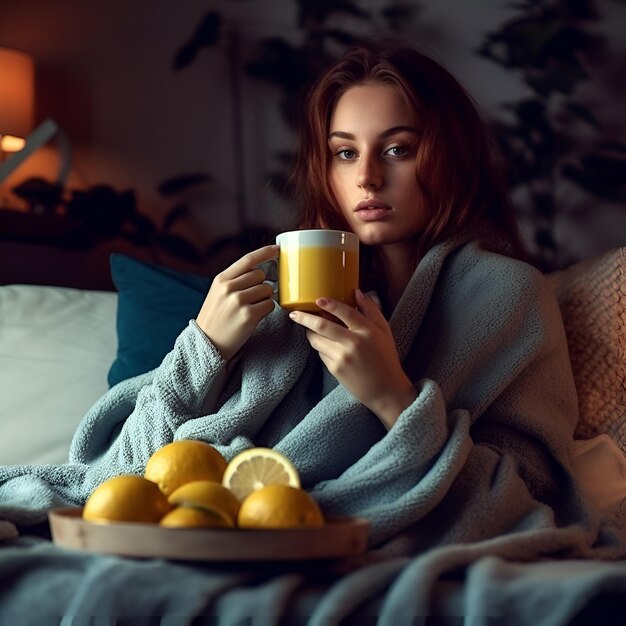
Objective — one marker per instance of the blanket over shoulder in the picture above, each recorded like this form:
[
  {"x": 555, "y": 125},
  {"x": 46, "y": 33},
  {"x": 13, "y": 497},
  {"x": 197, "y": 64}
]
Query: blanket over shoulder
[{"x": 482, "y": 455}]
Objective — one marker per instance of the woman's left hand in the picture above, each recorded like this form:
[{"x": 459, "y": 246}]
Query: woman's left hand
[{"x": 362, "y": 355}]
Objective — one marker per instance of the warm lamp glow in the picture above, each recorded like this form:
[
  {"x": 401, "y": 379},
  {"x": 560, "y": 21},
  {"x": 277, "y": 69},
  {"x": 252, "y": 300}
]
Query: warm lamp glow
[
  {"x": 17, "y": 85},
  {"x": 10, "y": 143}
]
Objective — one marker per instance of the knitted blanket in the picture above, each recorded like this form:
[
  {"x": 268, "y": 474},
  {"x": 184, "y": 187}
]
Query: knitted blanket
[{"x": 483, "y": 453}]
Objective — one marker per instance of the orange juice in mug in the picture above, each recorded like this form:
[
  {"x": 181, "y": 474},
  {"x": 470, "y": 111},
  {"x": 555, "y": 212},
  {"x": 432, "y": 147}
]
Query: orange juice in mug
[{"x": 317, "y": 263}]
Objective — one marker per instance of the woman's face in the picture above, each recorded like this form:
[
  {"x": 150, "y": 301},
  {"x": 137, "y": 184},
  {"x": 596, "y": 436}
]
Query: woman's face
[{"x": 373, "y": 140}]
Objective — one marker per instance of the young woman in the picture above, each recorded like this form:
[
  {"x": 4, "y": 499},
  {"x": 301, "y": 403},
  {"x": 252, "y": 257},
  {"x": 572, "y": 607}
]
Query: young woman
[
  {"x": 444, "y": 416},
  {"x": 392, "y": 149}
]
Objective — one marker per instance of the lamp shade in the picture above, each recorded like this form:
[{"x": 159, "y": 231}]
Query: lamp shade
[{"x": 17, "y": 86}]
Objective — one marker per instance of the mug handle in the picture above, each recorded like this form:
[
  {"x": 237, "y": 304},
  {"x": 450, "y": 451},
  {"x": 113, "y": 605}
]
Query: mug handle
[{"x": 270, "y": 268}]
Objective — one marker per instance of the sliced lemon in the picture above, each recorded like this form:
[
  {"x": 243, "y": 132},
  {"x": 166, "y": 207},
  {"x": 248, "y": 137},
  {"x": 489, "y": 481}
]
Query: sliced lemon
[{"x": 256, "y": 468}]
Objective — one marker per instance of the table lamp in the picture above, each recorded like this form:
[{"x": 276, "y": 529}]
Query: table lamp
[
  {"x": 17, "y": 99},
  {"x": 18, "y": 140}
]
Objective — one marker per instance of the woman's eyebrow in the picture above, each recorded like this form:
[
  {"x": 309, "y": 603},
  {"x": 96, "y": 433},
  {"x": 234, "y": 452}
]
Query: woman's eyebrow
[{"x": 387, "y": 133}]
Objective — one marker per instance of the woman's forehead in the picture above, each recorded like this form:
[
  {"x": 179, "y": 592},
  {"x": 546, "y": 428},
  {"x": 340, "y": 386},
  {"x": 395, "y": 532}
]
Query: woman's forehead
[{"x": 377, "y": 105}]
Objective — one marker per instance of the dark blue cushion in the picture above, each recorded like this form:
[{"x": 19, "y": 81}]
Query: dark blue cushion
[{"x": 155, "y": 304}]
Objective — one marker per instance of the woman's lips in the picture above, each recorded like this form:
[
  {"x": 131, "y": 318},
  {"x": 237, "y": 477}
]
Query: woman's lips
[
  {"x": 371, "y": 210},
  {"x": 371, "y": 215}
]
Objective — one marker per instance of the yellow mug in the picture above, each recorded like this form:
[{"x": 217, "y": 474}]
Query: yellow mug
[{"x": 314, "y": 264}]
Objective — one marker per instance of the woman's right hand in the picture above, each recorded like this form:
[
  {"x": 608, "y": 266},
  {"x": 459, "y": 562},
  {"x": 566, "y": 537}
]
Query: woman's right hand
[{"x": 237, "y": 301}]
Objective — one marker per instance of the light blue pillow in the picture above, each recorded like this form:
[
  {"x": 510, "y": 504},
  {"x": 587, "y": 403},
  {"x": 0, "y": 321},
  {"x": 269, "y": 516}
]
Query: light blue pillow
[{"x": 155, "y": 304}]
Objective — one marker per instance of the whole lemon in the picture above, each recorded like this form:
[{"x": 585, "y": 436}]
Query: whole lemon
[
  {"x": 126, "y": 498},
  {"x": 181, "y": 462},
  {"x": 279, "y": 506},
  {"x": 207, "y": 494},
  {"x": 196, "y": 517}
]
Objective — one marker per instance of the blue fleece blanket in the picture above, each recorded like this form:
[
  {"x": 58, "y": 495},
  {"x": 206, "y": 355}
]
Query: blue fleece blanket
[
  {"x": 40, "y": 584},
  {"x": 478, "y": 466}
]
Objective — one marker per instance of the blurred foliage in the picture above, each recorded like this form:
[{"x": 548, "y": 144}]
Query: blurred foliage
[
  {"x": 547, "y": 137},
  {"x": 100, "y": 213},
  {"x": 541, "y": 137},
  {"x": 551, "y": 136}
]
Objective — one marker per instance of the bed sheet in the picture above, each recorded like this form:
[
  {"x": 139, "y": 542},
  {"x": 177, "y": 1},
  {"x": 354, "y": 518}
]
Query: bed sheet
[{"x": 56, "y": 346}]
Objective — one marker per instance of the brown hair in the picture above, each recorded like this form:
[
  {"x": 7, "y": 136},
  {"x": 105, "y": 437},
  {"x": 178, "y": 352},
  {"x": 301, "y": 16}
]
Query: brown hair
[{"x": 456, "y": 165}]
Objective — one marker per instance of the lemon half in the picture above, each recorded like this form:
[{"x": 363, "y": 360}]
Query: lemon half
[{"x": 256, "y": 468}]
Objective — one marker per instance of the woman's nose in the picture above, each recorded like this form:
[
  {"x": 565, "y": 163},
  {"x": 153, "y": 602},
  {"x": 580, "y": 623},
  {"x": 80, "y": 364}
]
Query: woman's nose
[{"x": 370, "y": 174}]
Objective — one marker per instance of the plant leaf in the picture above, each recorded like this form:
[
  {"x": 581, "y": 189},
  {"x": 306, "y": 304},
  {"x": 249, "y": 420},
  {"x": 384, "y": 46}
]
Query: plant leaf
[
  {"x": 281, "y": 63},
  {"x": 206, "y": 35},
  {"x": 582, "y": 9},
  {"x": 185, "y": 56},
  {"x": 581, "y": 112},
  {"x": 208, "y": 30},
  {"x": 399, "y": 14},
  {"x": 318, "y": 11},
  {"x": 176, "y": 184},
  {"x": 563, "y": 78},
  {"x": 178, "y": 212},
  {"x": 340, "y": 36},
  {"x": 601, "y": 176},
  {"x": 612, "y": 146},
  {"x": 141, "y": 229},
  {"x": 179, "y": 247}
]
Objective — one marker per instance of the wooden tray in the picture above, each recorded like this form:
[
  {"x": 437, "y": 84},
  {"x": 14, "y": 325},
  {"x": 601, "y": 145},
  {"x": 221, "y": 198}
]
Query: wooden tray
[{"x": 339, "y": 537}]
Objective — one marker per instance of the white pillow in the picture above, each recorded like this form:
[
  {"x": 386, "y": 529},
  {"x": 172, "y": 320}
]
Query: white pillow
[{"x": 56, "y": 346}]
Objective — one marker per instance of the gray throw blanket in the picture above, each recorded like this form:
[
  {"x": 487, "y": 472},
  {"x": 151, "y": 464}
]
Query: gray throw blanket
[{"x": 481, "y": 456}]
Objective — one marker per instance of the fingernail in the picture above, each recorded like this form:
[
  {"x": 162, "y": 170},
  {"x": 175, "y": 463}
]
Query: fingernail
[
  {"x": 293, "y": 315},
  {"x": 322, "y": 302}
]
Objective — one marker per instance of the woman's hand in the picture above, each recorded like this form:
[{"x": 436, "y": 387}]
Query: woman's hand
[
  {"x": 237, "y": 301},
  {"x": 362, "y": 355}
]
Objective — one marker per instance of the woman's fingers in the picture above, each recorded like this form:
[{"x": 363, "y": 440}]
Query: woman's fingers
[
  {"x": 343, "y": 312},
  {"x": 361, "y": 354},
  {"x": 250, "y": 260},
  {"x": 256, "y": 293},
  {"x": 247, "y": 280},
  {"x": 319, "y": 325},
  {"x": 370, "y": 310},
  {"x": 354, "y": 319},
  {"x": 237, "y": 301},
  {"x": 328, "y": 349}
]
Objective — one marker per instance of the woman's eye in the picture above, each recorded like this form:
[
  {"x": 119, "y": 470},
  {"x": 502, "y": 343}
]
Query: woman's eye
[
  {"x": 346, "y": 154},
  {"x": 398, "y": 151}
]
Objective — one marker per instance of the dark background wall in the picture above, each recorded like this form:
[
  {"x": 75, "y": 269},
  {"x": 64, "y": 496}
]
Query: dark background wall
[{"x": 105, "y": 73}]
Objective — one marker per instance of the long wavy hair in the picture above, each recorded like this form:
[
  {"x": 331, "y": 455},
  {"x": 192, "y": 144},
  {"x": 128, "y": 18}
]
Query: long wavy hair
[{"x": 457, "y": 165}]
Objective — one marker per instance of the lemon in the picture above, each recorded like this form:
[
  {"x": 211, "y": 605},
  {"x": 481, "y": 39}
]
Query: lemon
[
  {"x": 207, "y": 494},
  {"x": 279, "y": 506},
  {"x": 196, "y": 517},
  {"x": 256, "y": 468},
  {"x": 181, "y": 462},
  {"x": 126, "y": 498}
]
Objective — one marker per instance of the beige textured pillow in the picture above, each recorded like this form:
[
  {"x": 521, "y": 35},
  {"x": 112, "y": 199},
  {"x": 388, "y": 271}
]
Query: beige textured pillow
[{"x": 592, "y": 297}]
